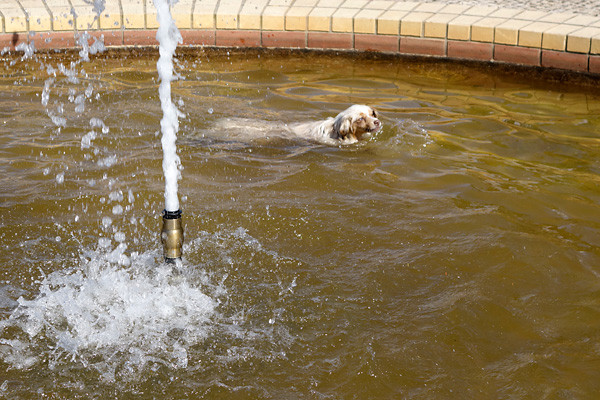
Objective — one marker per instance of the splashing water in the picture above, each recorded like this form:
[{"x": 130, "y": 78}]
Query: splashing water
[
  {"x": 115, "y": 313},
  {"x": 168, "y": 36},
  {"x": 130, "y": 316}
]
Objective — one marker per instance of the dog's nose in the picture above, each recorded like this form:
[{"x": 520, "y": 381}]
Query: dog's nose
[{"x": 376, "y": 122}]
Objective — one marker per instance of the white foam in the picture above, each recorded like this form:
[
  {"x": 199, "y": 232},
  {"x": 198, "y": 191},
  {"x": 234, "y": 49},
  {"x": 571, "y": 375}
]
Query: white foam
[
  {"x": 104, "y": 316},
  {"x": 86, "y": 49},
  {"x": 168, "y": 36}
]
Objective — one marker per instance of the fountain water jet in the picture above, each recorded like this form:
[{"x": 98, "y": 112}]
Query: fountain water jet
[{"x": 168, "y": 36}]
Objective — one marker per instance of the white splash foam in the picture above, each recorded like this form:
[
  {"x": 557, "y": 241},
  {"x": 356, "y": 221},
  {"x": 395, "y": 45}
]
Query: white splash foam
[
  {"x": 104, "y": 316},
  {"x": 168, "y": 36},
  {"x": 86, "y": 49},
  {"x": 28, "y": 50}
]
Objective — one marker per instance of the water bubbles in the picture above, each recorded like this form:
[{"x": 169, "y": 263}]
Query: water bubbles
[
  {"x": 106, "y": 222},
  {"x": 80, "y": 104},
  {"x": 59, "y": 121},
  {"x": 210, "y": 111},
  {"x": 28, "y": 50},
  {"x": 117, "y": 210},
  {"x": 107, "y": 162},
  {"x": 46, "y": 91},
  {"x": 98, "y": 123},
  {"x": 116, "y": 195},
  {"x": 86, "y": 140},
  {"x": 86, "y": 49},
  {"x": 60, "y": 178},
  {"x": 119, "y": 237}
]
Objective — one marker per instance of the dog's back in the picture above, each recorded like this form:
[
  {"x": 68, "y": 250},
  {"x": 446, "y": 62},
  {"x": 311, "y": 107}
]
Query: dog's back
[{"x": 319, "y": 131}]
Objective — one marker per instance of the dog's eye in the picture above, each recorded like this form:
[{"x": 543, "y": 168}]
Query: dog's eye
[{"x": 361, "y": 119}]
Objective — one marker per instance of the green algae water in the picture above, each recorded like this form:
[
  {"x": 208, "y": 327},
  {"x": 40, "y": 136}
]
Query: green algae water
[{"x": 454, "y": 255}]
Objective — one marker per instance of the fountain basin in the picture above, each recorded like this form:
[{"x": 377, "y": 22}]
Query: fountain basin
[{"x": 453, "y": 253}]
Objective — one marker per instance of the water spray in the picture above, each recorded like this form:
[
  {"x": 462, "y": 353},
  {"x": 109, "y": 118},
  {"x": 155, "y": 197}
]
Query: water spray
[
  {"x": 168, "y": 36},
  {"x": 172, "y": 235}
]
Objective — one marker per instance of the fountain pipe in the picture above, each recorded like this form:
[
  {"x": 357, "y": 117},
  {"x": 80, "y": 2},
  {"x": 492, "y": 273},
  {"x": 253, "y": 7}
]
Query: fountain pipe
[{"x": 172, "y": 235}]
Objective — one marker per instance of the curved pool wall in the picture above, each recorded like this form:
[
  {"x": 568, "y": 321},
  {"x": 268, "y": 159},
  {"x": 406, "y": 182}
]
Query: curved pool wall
[{"x": 487, "y": 32}]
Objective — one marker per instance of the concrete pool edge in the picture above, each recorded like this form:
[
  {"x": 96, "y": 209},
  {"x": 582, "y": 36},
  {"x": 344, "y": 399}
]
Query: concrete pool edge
[{"x": 563, "y": 41}]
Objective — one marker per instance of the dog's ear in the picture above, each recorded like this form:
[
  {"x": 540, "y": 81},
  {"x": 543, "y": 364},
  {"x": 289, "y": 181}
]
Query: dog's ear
[{"x": 344, "y": 126}]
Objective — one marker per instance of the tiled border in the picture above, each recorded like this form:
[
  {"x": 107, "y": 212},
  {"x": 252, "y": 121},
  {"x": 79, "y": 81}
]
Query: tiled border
[{"x": 534, "y": 38}]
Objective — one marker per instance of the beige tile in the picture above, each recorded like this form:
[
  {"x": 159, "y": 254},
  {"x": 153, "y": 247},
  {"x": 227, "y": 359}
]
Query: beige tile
[
  {"x": 319, "y": 19},
  {"x": 483, "y": 30},
  {"x": 455, "y": 9},
  {"x": 437, "y": 25},
  {"x": 110, "y": 17},
  {"x": 296, "y": 18},
  {"x": 85, "y": 16},
  {"x": 583, "y": 20},
  {"x": 508, "y": 32},
  {"x": 85, "y": 19},
  {"x": 460, "y": 27},
  {"x": 412, "y": 24},
  {"x": 62, "y": 19},
  {"x": 182, "y": 13},
  {"x": 133, "y": 14},
  {"x": 429, "y": 7},
  {"x": 39, "y": 17},
  {"x": 580, "y": 41},
  {"x": 305, "y": 3},
  {"x": 274, "y": 18},
  {"x": 405, "y": 6},
  {"x": 531, "y": 35},
  {"x": 505, "y": 13},
  {"x": 15, "y": 19},
  {"x": 531, "y": 15},
  {"x": 151, "y": 15},
  {"x": 366, "y": 21},
  {"x": 329, "y": 3},
  {"x": 342, "y": 20},
  {"x": 481, "y": 11},
  {"x": 251, "y": 16},
  {"x": 595, "y": 45},
  {"x": 558, "y": 17},
  {"x": 281, "y": 3},
  {"x": 227, "y": 14},
  {"x": 353, "y": 4},
  {"x": 203, "y": 15},
  {"x": 556, "y": 38},
  {"x": 388, "y": 23},
  {"x": 379, "y": 4}
]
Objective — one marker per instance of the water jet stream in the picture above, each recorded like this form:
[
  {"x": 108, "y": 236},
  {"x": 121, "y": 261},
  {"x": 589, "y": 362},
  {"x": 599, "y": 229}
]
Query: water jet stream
[{"x": 168, "y": 37}]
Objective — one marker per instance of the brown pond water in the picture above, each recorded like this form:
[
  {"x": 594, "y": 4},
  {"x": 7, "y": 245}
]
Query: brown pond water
[{"x": 455, "y": 255}]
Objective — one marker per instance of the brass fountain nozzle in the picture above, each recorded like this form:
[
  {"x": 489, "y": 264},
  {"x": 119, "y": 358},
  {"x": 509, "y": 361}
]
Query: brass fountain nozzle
[{"x": 172, "y": 235}]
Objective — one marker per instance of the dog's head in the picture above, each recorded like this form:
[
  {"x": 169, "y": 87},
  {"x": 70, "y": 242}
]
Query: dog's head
[{"x": 357, "y": 123}]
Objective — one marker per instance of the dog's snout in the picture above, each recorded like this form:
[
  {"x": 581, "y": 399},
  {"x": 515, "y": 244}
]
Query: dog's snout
[{"x": 376, "y": 122}]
